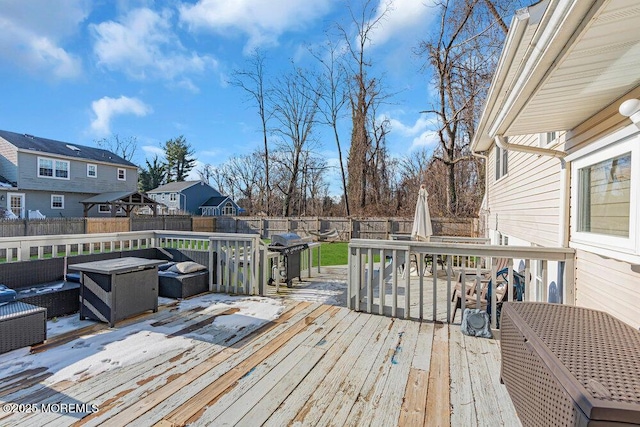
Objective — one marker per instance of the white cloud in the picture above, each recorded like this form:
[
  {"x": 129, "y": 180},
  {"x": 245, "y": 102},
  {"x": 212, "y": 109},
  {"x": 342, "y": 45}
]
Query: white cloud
[
  {"x": 261, "y": 21},
  {"x": 143, "y": 44},
  {"x": 420, "y": 133},
  {"x": 106, "y": 108},
  {"x": 33, "y": 36},
  {"x": 153, "y": 150},
  {"x": 405, "y": 19}
]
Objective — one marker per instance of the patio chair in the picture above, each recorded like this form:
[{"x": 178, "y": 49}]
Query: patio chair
[
  {"x": 486, "y": 289},
  {"x": 484, "y": 279}
]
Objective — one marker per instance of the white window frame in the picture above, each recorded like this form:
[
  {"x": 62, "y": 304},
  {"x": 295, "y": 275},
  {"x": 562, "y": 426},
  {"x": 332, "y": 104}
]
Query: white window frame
[
  {"x": 54, "y": 168},
  {"x": 173, "y": 197},
  {"x": 228, "y": 209},
  {"x": 501, "y": 163},
  {"x": 95, "y": 170},
  {"x": 624, "y": 141},
  {"x": 124, "y": 174},
  {"x": 548, "y": 138},
  {"x": 54, "y": 196},
  {"x": 104, "y": 208}
]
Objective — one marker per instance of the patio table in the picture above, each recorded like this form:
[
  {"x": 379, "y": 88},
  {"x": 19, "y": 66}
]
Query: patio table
[{"x": 115, "y": 289}]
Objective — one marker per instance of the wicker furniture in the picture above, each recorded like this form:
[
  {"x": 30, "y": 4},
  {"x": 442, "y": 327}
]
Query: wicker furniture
[
  {"x": 176, "y": 285},
  {"x": 567, "y": 365},
  {"x": 21, "y": 325},
  {"x": 59, "y": 298},
  {"x": 112, "y": 290}
]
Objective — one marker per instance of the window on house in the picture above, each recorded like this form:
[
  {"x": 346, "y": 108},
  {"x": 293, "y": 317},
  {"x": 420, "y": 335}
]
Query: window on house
[
  {"x": 57, "y": 201},
  {"x": 547, "y": 138},
  {"x": 173, "y": 197},
  {"x": 228, "y": 209},
  {"x": 92, "y": 171},
  {"x": 52, "y": 168},
  {"x": 104, "y": 208},
  {"x": 605, "y": 196},
  {"x": 501, "y": 162},
  {"x": 122, "y": 174}
]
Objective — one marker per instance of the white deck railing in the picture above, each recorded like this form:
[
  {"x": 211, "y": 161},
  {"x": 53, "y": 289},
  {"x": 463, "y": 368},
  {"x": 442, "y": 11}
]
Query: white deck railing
[
  {"x": 242, "y": 262},
  {"x": 378, "y": 282}
]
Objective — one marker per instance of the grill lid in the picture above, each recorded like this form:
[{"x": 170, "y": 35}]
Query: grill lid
[{"x": 286, "y": 239}]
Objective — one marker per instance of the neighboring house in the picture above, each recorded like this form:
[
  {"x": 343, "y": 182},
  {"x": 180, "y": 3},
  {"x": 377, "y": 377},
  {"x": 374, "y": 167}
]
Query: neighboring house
[
  {"x": 562, "y": 146},
  {"x": 54, "y": 177},
  {"x": 220, "y": 206},
  {"x": 189, "y": 196}
]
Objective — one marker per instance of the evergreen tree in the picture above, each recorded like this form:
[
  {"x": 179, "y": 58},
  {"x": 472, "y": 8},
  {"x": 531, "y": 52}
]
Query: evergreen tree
[
  {"x": 179, "y": 157},
  {"x": 152, "y": 176}
]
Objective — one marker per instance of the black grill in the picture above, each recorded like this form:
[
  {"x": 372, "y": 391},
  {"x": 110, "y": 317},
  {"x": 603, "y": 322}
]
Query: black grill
[{"x": 289, "y": 245}]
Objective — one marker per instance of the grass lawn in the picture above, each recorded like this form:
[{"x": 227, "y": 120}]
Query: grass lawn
[{"x": 335, "y": 253}]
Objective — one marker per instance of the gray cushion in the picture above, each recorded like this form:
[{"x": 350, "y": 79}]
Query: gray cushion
[{"x": 187, "y": 267}]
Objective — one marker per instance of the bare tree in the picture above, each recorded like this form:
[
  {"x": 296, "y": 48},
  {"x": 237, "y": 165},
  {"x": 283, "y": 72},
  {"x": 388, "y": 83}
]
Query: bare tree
[
  {"x": 252, "y": 81},
  {"x": 205, "y": 173},
  {"x": 364, "y": 90},
  {"x": 295, "y": 108},
  {"x": 332, "y": 97},
  {"x": 461, "y": 55},
  {"x": 124, "y": 147}
]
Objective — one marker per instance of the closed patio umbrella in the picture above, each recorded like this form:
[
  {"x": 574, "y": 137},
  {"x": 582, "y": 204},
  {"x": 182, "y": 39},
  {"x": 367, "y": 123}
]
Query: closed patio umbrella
[{"x": 422, "y": 220}]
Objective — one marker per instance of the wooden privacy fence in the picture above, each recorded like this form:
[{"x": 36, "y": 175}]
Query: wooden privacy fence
[
  {"x": 347, "y": 228},
  {"x": 62, "y": 226}
]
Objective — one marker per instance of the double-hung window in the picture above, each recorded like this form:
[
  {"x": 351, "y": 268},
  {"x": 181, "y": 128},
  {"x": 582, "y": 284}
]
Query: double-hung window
[
  {"x": 57, "y": 201},
  {"x": 53, "y": 168},
  {"x": 92, "y": 170},
  {"x": 605, "y": 193}
]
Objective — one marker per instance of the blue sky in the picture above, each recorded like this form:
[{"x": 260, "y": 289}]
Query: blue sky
[{"x": 78, "y": 71}]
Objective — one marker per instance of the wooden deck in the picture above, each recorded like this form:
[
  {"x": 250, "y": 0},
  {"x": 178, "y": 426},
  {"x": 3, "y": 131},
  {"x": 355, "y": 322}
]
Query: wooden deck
[{"x": 314, "y": 365}]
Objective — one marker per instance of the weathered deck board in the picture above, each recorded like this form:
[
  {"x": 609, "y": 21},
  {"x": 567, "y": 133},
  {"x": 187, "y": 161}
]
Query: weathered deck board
[
  {"x": 463, "y": 410},
  {"x": 314, "y": 365},
  {"x": 413, "y": 411},
  {"x": 438, "y": 406}
]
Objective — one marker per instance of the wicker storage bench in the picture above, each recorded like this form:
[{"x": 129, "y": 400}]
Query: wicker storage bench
[
  {"x": 566, "y": 365},
  {"x": 21, "y": 325},
  {"x": 176, "y": 285}
]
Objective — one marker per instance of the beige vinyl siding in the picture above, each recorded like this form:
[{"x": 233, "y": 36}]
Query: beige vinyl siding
[
  {"x": 609, "y": 285},
  {"x": 525, "y": 202},
  {"x": 605, "y": 122}
]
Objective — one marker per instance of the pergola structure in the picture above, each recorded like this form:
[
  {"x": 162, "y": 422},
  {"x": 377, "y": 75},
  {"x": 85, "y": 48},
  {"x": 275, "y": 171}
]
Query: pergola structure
[{"x": 124, "y": 200}]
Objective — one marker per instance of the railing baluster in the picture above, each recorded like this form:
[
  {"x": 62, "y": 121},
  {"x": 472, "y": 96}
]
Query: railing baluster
[
  {"x": 370, "y": 281},
  {"x": 407, "y": 287},
  {"x": 381, "y": 286},
  {"x": 394, "y": 282}
]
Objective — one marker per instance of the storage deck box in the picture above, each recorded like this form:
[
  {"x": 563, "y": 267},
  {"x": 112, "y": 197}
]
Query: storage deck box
[{"x": 567, "y": 365}]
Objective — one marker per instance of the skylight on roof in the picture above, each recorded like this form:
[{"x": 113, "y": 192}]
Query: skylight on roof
[{"x": 72, "y": 147}]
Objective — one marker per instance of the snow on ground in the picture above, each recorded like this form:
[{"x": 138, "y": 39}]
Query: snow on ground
[{"x": 110, "y": 348}]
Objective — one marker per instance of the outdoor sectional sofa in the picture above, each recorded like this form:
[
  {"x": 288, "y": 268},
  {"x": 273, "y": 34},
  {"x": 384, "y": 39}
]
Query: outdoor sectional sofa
[{"x": 41, "y": 282}]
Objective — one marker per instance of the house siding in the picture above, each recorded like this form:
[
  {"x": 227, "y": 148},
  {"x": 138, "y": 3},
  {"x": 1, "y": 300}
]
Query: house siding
[
  {"x": 524, "y": 203},
  {"x": 609, "y": 285},
  {"x": 8, "y": 160},
  {"x": 41, "y": 200},
  {"x": 106, "y": 180}
]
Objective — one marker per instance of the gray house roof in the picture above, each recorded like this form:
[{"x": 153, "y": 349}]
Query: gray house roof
[
  {"x": 50, "y": 146},
  {"x": 216, "y": 201},
  {"x": 174, "y": 187}
]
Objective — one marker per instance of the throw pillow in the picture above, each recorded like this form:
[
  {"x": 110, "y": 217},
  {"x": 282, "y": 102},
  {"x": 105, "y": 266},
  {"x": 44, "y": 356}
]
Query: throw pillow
[{"x": 187, "y": 267}]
